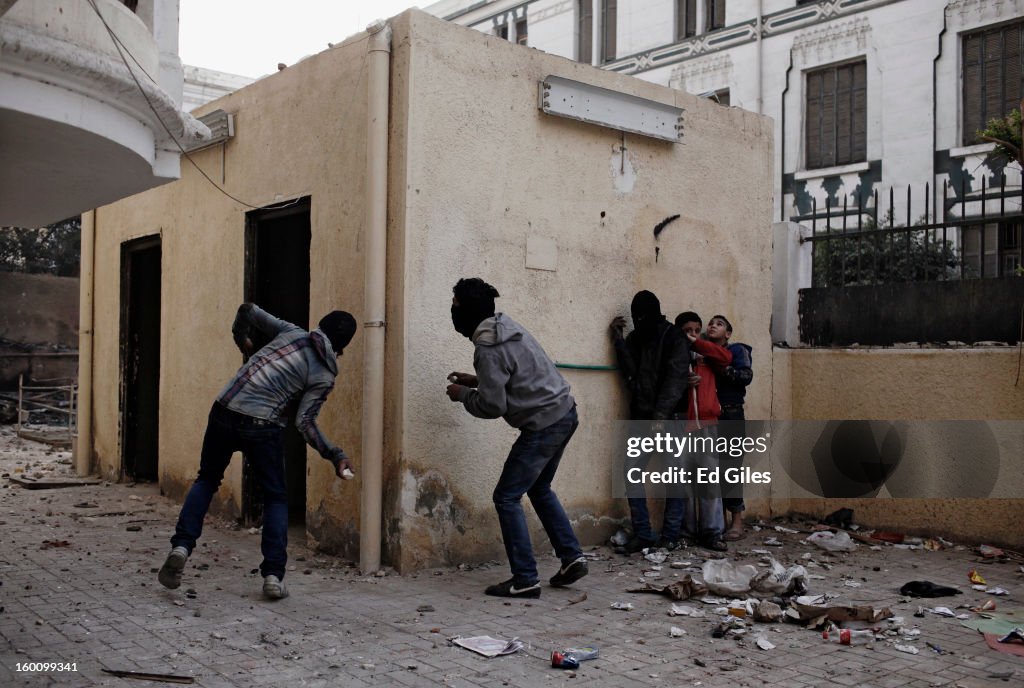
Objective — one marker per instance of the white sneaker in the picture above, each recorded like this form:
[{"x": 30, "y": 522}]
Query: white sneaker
[
  {"x": 170, "y": 572},
  {"x": 273, "y": 588}
]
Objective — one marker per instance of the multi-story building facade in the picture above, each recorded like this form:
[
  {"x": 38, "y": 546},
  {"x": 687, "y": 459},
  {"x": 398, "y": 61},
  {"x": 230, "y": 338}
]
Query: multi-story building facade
[
  {"x": 866, "y": 95},
  {"x": 202, "y": 85}
]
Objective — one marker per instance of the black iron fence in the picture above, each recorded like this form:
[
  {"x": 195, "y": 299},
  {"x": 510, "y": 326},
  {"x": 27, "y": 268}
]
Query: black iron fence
[{"x": 978, "y": 235}]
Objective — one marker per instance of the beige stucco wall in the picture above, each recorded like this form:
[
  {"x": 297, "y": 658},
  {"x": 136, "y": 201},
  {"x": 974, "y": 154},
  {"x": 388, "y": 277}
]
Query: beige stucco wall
[
  {"x": 300, "y": 132},
  {"x": 923, "y": 385},
  {"x": 485, "y": 170}
]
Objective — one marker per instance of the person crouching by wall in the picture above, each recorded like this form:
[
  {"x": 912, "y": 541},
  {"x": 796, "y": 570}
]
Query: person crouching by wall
[
  {"x": 704, "y": 522},
  {"x": 516, "y": 380}
]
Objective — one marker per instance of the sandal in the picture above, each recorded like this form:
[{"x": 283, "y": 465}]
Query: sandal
[
  {"x": 716, "y": 544},
  {"x": 733, "y": 535}
]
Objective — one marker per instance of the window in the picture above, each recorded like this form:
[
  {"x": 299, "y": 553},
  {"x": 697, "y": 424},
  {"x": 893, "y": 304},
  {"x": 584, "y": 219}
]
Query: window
[
  {"x": 686, "y": 19},
  {"x": 721, "y": 97},
  {"x": 715, "y": 14},
  {"x": 992, "y": 249},
  {"x": 805, "y": 2},
  {"x": 609, "y": 28},
  {"x": 836, "y": 131},
  {"x": 521, "y": 31},
  {"x": 585, "y": 30},
  {"x": 991, "y": 76},
  {"x": 501, "y": 31}
]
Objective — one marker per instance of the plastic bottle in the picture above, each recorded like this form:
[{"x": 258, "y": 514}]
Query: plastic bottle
[
  {"x": 846, "y": 636},
  {"x": 571, "y": 658}
]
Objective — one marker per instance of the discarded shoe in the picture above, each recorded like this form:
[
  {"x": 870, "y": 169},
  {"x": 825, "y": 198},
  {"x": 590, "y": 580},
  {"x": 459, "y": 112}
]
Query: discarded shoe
[
  {"x": 509, "y": 589},
  {"x": 927, "y": 589},
  {"x": 635, "y": 545},
  {"x": 170, "y": 572},
  {"x": 569, "y": 574},
  {"x": 273, "y": 588}
]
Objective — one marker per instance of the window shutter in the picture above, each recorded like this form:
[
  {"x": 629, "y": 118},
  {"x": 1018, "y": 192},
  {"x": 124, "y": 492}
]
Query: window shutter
[
  {"x": 586, "y": 30},
  {"x": 1011, "y": 69},
  {"x": 718, "y": 14},
  {"x": 972, "y": 105},
  {"x": 992, "y": 79},
  {"x": 686, "y": 18},
  {"x": 844, "y": 114},
  {"x": 828, "y": 119},
  {"x": 813, "y": 120},
  {"x": 859, "y": 135},
  {"x": 610, "y": 29}
]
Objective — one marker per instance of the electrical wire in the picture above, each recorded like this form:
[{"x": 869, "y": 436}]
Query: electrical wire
[{"x": 121, "y": 50}]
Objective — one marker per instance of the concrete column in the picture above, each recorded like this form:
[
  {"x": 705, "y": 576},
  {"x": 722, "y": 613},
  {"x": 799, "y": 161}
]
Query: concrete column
[
  {"x": 791, "y": 271},
  {"x": 596, "y": 44},
  {"x": 165, "y": 33}
]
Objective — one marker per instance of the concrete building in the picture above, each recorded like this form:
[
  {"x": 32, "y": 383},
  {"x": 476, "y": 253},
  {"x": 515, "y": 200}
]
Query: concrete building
[
  {"x": 476, "y": 184},
  {"x": 90, "y": 105},
  {"x": 865, "y": 96},
  {"x": 465, "y": 172}
]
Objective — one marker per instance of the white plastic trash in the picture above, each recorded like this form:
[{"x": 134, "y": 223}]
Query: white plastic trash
[
  {"x": 722, "y": 577},
  {"x": 832, "y": 542}
]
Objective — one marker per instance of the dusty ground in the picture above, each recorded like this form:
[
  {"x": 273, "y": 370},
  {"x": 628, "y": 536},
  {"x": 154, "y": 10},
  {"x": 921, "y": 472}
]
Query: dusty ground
[{"x": 78, "y": 586}]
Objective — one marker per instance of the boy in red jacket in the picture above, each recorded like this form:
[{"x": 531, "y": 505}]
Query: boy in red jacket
[{"x": 702, "y": 411}]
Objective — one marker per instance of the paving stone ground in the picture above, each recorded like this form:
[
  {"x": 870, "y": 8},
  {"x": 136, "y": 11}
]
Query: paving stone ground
[{"x": 78, "y": 586}]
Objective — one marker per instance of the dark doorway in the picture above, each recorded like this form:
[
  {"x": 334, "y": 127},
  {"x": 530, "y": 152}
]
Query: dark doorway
[
  {"x": 140, "y": 359},
  {"x": 277, "y": 280}
]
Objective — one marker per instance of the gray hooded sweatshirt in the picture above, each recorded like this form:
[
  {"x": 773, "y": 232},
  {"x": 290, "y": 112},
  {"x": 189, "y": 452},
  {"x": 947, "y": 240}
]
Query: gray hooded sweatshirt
[{"x": 517, "y": 380}]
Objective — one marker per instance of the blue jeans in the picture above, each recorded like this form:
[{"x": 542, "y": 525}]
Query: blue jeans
[
  {"x": 262, "y": 443},
  {"x": 639, "y": 515},
  {"x": 529, "y": 469}
]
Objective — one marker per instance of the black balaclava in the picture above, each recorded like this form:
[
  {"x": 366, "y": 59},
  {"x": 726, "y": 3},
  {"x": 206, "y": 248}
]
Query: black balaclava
[
  {"x": 476, "y": 304},
  {"x": 646, "y": 312},
  {"x": 339, "y": 326}
]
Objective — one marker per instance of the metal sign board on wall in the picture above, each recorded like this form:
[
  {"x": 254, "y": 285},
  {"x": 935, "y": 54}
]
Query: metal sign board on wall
[{"x": 621, "y": 111}]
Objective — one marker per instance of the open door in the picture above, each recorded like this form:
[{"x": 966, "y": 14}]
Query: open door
[
  {"x": 277, "y": 280},
  {"x": 140, "y": 359}
]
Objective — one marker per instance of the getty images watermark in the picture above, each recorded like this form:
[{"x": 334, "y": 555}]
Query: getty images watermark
[
  {"x": 700, "y": 442},
  {"x": 835, "y": 459}
]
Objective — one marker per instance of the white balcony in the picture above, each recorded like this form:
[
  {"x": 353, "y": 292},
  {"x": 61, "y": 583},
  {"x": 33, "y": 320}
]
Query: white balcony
[{"x": 76, "y": 130}]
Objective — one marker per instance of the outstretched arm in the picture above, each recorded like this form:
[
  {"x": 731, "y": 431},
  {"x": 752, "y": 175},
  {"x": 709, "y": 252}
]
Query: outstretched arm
[{"x": 305, "y": 421}]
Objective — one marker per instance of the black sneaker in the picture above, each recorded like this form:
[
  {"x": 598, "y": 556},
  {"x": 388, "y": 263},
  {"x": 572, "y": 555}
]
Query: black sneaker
[
  {"x": 509, "y": 589},
  {"x": 635, "y": 545},
  {"x": 570, "y": 573},
  {"x": 670, "y": 545}
]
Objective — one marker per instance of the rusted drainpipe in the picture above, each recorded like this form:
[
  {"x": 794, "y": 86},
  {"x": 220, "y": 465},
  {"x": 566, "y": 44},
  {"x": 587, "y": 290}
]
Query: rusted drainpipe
[
  {"x": 378, "y": 84},
  {"x": 83, "y": 450}
]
